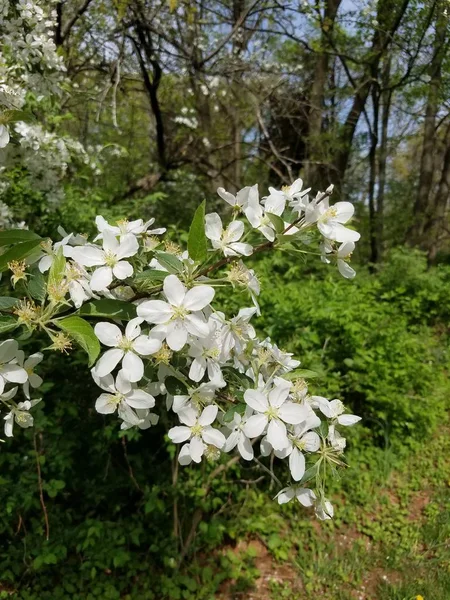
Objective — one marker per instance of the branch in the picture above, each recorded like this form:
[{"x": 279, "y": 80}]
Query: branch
[
  {"x": 227, "y": 38},
  {"x": 41, "y": 490},
  {"x": 63, "y": 33}
]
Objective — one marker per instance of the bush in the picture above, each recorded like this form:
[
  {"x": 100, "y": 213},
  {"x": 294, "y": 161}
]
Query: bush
[{"x": 378, "y": 343}]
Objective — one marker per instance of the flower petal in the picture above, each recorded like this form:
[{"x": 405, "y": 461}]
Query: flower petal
[
  {"x": 285, "y": 495},
  {"x": 179, "y": 434},
  {"x": 106, "y": 404},
  {"x": 256, "y": 400},
  {"x": 345, "y": 211},
  {"x": 235, "y": 231},
  {"x": 122, "y": 269},
  {"x": 101, "y": 279},
  {"x": 128, "y": 246},
  {"x": 311, "y": 441},
  {"x": 213, "y": 436},
  {"x": 196, "y": 325},
  {"x": 133, "y": 367},
  {"x": 140, "y": 399},
  {"x": 255, "y": 425},
  {"x": 208, "y": 415},
  {"x": 176, "y": 336},
  {"x": 213, "y": 226},
  {"x": 146, "y": 345},
  {"x": 198, "y": 297},
  {"x": 184, "y": 457},
  {"x": 174, "y": 290},
  {"x": 108, "y": 333},
  {"x": 108, "y": 362},
  {"x": 296, "y": 464},
  {"x": 245, "y": 448},
  {"x": 276, "y": 434},
  {"x": 88, "y": 256},
  {"x": 155, "y": 311},
  {"x": 305, "y": 496},
  {"x": 348, "y": 420},
  {"x": 293, "y": 413},
  {"x": 14, "y": 373},
  {"x": 196, "y": 449}
]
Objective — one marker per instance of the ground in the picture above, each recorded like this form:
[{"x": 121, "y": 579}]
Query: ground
[{"x": 389, "y": 543}]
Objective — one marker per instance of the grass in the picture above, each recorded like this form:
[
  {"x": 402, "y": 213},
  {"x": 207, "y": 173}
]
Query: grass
[{"x": 389, "y": 541}]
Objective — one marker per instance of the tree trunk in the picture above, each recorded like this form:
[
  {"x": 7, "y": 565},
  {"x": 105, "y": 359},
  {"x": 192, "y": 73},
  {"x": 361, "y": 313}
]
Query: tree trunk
[
  {"x": 389, "y": 22},
  {"x": 373, "y": 176},
  {"x": 423, "y": 203},
  {"x": 386, "y": 98},
  {"x": 435, "y": 227},
  {"x": 316, "y": 155}
]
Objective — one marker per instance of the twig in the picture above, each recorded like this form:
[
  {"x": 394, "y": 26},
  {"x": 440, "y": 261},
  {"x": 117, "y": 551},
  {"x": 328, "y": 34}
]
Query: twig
[
  {"x": 130, "y": 468},
  {"x": 41, "y": 491},
  {"x": 272, "y": 475},
  {"x": 175, "y": 499},
  {"x": 198, "y": 515}
]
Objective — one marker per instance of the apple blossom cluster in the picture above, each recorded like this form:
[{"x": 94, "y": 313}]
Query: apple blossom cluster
[
  {"x": 28, "y": 60},
  {"x": 15, "y": 369},
  {"x": 167, "y": 346},
  {"x": 30, "y": 66}
]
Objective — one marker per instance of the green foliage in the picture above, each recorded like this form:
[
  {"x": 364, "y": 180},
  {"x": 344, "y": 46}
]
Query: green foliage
[
  {"x": 378, "y": 343},
  {"x": 18, "y": 252},
  {"x": 83, "y": 334},
  {"x": 113, "y": 309},
  {"x": 15, "y": 236},
  {"x": 197, "y": 247}
]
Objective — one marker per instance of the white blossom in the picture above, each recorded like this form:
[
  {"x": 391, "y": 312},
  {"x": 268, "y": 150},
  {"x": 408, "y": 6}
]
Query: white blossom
[
  {"x": 181, "y": 314},
  {"x": 110, "y": 256},
  {"x": 121, "y": 395},
  {"x": 226, "y": 240},
  {"x": 128, "y": 348},
  {"x": 197, "y": 428},
  {"x": 10, "y": 371},
  {"x": 239, "y": 201},
  {"x": 273, "y": 411}
]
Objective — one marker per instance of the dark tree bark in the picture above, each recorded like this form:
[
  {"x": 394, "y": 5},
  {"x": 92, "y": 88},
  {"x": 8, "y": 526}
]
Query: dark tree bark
[
  {"x": 386, "y": 99},
  {"x": 315, "y": 166},
  {"x": 389, "y": 21},
  {"x": 435, "y": 229},
  {"x": 423, "y": 206},
  {"x": 374, "y": 255}
]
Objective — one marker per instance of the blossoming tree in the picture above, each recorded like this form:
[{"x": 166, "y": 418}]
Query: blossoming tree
[{"x": 143, "y": 310}]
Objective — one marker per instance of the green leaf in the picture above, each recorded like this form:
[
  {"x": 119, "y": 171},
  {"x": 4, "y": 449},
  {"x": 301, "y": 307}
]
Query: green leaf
[
  {"x": 151, "y": 275},
  {"x": 15, "y": 236},
  {"x": 57, "y": 269},
  {"x": 304, "y": 373},
  {"x": 7, "y": 323},
  {"x": 113, "y": 309},
  {"x": 18, "y": 252},
  {"x": 174, "y": 386},
  {"x": 37, "y": 285},
  {"x": 197, "y": 246},
  {"x": 234, "y": 377},
  {"x": 7, "y": 302},
  {"x": 170, "y": 262},
  {"x": 309, "y": 474},
  {"x": 277, "y": 222},
  {"x": 237, "y": 408},
  {"x": 83, "y": 334}
]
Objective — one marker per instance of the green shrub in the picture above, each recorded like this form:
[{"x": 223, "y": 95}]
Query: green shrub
[{"x": 378, "y": 342}]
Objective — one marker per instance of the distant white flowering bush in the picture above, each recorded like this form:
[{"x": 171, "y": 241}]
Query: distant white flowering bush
[
  {"x": 30, "y": 67},
  {"x": 159, "y": 343}
]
